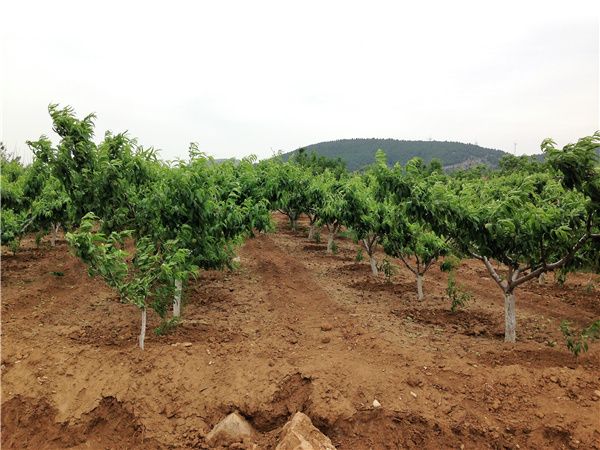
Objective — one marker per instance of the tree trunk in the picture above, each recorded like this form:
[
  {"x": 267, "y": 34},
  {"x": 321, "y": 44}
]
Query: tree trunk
[
  {"x": 293, "y": 221},
  {"x": 311, "y": 231},
  {"x": 330, "y": 241},
  {"x": 177, "y": 299},
  {"x": 510, "y": 318},
  {"x": 142, "y": 336},
  {"x": 420, "y": 286},
  {"x": 54, "y": 234},
  {"x": 542, "y": 279},
  {"x": 373, "y": 261}
]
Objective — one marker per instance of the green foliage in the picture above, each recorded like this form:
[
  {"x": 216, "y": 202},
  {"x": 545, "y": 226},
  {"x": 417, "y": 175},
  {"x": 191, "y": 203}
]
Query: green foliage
[
  {"x": 561, "y": 276},
  {"x": 450, "y": 263},
  {"x": 317, "y": 237},
  {"x": 523, "y": 164},
  {"x": 359, "y": 255},
  {"x": 577, "y": 341},
  {"x": 388, "y": 269},
  {"x": 11, "y": 229},
  {"x": 364, "y": 214},
  {"x": 515, "y": 218},
  {"x": 13, "y": 215},
  {"x": 409, "y": 233},
  {"x": 51, "y": 206},
  {"x": 12, "y": 177},
  {"x": 333, "y": 210},
  {"x": 456, "y": 295},
  {"x": 107, "y": 178},
  {"x": 578, "y": 165},
  {"x": 291, "y": 190},
  {"x": 167, "y": 326},
  {"x": 145, "y": 278},
  {"x": 318, "y": 164},
  {"x": 73, "y": 160},
  {"x": 349, "y": 234},
  {"x": 203, "y": 207}
]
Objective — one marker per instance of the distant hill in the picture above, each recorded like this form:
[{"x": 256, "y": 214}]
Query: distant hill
[{"x": 359, "y": 153}]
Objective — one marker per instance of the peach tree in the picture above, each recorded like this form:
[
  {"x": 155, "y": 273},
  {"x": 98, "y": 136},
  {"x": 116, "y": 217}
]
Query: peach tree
[
  {"x": 519, "y": 226},
  {"x": 144, "y": 278}
]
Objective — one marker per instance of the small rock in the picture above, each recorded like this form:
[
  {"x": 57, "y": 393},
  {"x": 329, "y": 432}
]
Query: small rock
[
  {"x": 554, "y": 379},
  {"x": 597, "y": 394},
  {"x": 300, "y": 434},
  {"x": 233, "y": 428},
  {"x": 187, "y": 344},
  {"x": 539, "y": 415},
  {"x": 326, "y": 340},
  {"x": 413, "y": 394},
  {"x": 326, "y": 326},
  {"x": 376, "y": 404}
]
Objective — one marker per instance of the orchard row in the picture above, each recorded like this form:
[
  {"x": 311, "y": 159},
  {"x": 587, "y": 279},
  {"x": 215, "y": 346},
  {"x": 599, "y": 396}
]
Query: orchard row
[{"x": 521, "y": 220}]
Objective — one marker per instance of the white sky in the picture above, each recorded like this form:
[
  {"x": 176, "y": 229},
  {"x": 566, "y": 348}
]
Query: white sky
[{"x": 255, "y": 77}]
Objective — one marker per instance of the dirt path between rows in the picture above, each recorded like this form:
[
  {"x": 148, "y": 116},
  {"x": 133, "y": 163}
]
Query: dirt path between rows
[{"x": 293, "y": 329}]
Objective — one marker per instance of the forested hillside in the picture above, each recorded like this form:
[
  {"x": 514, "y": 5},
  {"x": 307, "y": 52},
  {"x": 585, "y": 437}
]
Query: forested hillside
[{"x": 359, "y": 153}]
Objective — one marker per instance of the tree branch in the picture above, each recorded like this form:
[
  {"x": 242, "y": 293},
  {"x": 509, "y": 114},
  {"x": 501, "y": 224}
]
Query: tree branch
[
  {"x": 494, "y": 274},
  {"x": 26, "y": 225},
  {"x": 431, "y": 261},
  {"x": 556, "y": 265},
  {"x": 406, "y": 264},
  {"x": 476, "y": 256}
]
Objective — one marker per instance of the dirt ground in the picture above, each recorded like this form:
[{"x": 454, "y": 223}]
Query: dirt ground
[{"x": 294, "y": 329}]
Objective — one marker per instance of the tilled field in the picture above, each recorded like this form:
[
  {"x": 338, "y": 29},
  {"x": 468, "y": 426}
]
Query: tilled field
[{"x": 294, "y": 329}]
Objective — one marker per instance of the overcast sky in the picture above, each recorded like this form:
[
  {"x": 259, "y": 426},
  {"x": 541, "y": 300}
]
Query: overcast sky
[{"x": 254, "y": 77}]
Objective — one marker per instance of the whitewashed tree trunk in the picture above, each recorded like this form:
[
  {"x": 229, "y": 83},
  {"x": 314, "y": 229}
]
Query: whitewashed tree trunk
[
  {"x": 542, "y": 278},
  {"x": 373, "y": 261},
  {"x": 142, "y": 336},
  {"x": 177, "y": 299},
  {"x": 420, "y": 286},
  {"x": 510, "y": 317},
  {"x": 54, "y": 234}
]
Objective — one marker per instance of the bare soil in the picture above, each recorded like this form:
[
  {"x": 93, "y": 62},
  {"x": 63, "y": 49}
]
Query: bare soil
[{"x": 294, "y": 329}]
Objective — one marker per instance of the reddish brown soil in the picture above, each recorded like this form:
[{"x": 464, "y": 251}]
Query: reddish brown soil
[{"x": 73, "y": 377}]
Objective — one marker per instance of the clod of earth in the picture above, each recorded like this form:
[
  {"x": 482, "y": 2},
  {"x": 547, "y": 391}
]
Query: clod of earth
[{"x": 326, "y": 326}]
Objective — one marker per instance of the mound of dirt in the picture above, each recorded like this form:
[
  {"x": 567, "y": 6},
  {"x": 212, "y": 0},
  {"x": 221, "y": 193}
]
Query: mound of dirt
[{"x": 31, "y": 423}]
